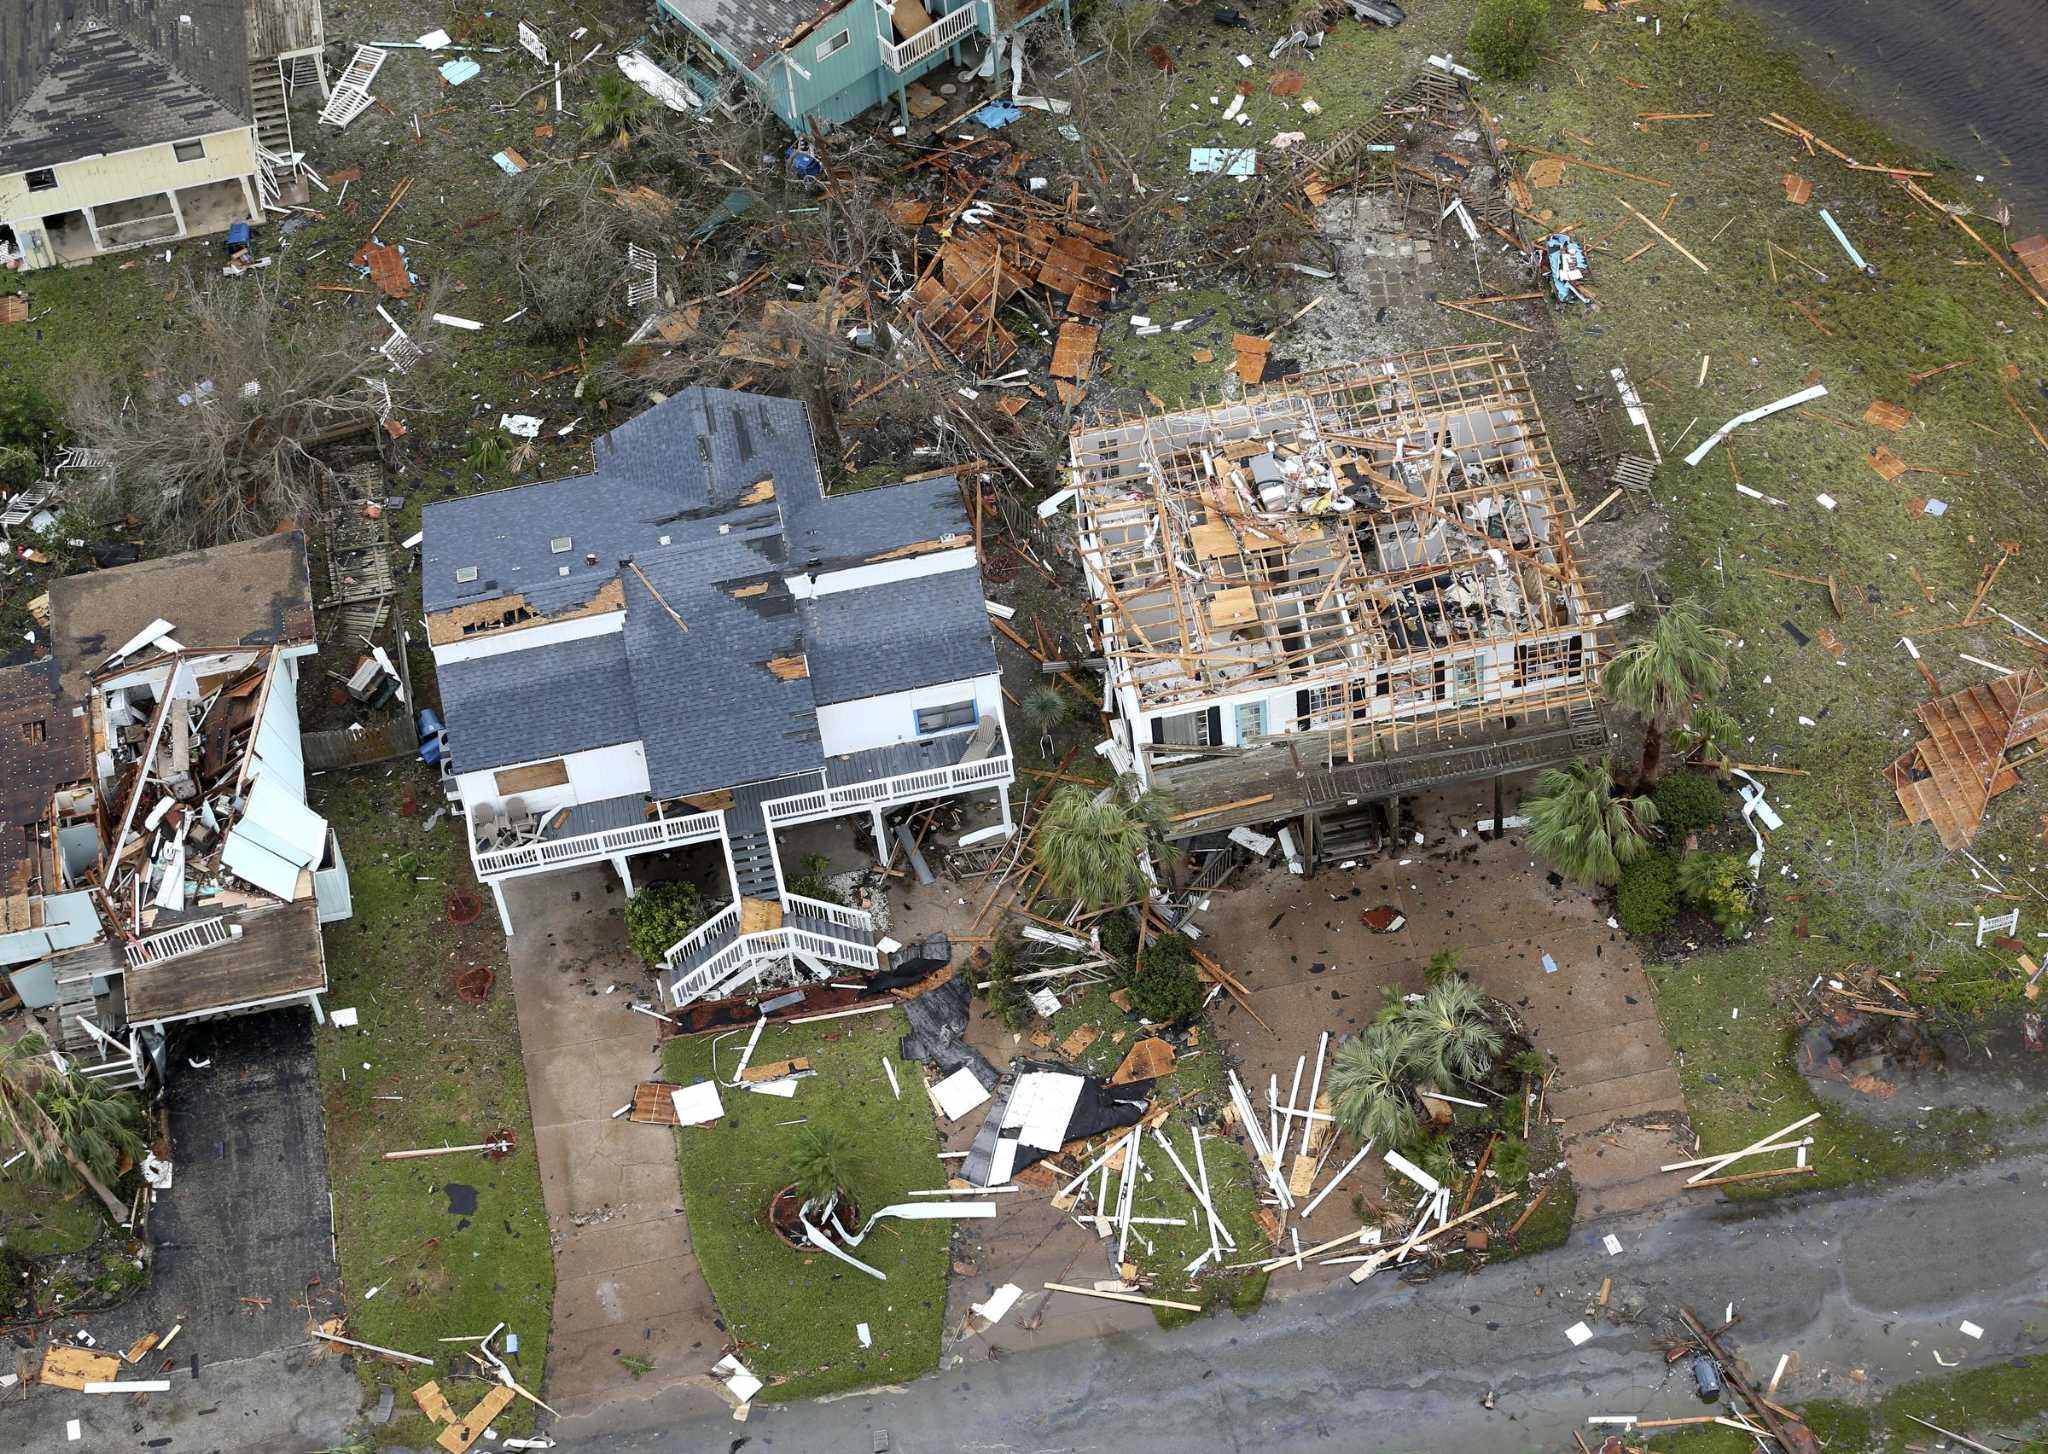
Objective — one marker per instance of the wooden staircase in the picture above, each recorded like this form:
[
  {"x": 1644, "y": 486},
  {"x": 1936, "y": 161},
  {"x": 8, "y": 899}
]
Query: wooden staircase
[{"x": 268, "y": 107}]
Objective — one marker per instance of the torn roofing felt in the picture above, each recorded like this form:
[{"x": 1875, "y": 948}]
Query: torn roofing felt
[
  {"x": 938, "y": 1029},
  {"x": 1097, "y": 1108}
]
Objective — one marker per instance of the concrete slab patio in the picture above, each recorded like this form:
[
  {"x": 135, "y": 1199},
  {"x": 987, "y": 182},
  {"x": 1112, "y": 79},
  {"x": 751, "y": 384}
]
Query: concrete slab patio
[{"x": 626, "y": 1282}]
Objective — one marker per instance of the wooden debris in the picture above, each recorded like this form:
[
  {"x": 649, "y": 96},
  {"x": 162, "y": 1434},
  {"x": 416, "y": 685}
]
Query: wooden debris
[
  {"x": 1914, "y": 381},
  {"x": 1252, "y": 354},
  {"x": 2033, "y": 255},
  {"x": 1589, "y": 166},
  {"x": 774, "y": 1070},
  {"x": 1123, "y": 1297},
  {"x": 433, "y": 1403},
  {"x": 1887, "y": 464},
  {"x": 1546, "y": 171},
  {"x": 457, "y": 1437},
  {"x": 1149, "y": 1059},
  {"x": 73, "y": 1368},
  {"x": 1675, "y": 243},
  {"x": 1073, "y": 355},
  {"x": 1887, "y": 416},
  {"x": 1797, "y": 188},
  {"x": 1951, "y": 775},
  {"x": 1080, "y": 1040}
]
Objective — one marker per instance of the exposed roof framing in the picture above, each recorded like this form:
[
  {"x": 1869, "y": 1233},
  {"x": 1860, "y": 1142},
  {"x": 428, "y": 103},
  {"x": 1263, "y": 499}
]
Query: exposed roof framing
[{"x": 1344, "y": 533}]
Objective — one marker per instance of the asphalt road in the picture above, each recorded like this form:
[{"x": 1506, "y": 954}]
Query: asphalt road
[{"x": 1878, "y": 1282}]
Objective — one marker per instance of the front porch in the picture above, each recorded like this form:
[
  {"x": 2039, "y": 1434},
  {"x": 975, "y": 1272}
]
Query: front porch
[{"x": 82, "y": 234}]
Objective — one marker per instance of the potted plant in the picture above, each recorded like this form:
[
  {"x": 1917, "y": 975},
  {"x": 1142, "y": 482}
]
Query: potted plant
[{"x": 818, "y": 1168}]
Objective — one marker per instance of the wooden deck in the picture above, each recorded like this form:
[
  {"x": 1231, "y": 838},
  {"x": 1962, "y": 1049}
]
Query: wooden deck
[{"x": 277, "y": 955}]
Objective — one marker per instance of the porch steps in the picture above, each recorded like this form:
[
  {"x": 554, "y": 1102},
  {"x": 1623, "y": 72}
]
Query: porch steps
[{"x": 268, "y": 108}]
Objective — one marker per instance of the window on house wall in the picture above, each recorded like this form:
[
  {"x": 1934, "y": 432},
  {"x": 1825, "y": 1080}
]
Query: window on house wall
[
  {"x": 1468, "y": 678},
  {"x": 553, "y": 773},
  {"x": 1198, "y": 728},
  {"x": 1251, "y": 721},
  {"x": 946, "y": 718},
  {"x": 189, "y": 151},
  {"x": 1326, "y": 702},
  {"x": 832, "y": 45},
  {"x": 1545, "y": 661},
  {"x": 42, "y": 179},
  {"x": 1410, "y": 685}
]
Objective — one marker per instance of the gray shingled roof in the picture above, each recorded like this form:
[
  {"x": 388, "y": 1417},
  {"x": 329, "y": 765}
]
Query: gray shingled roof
[
  {"x": 549, "y": 700},
  {"x": 712, "y": 713},
  {"x": 99, "y": 91},
  {"x": 752, "y": 29},
  {"x": 662, "y": 515},
  {"x": 895, "y": 637}
]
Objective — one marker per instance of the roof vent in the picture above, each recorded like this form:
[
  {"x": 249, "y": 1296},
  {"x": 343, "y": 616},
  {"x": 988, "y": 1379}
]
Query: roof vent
[
  {"x": 464, "y": 574},
  {"x": 559, "y": 544},
  {"x": 664, "y": 540},
  {"x": 590, "y": 557}
]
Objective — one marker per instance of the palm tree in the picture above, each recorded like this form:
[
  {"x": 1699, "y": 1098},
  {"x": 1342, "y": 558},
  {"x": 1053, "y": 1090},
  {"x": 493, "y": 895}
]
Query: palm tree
[
  {"x": 820, "y": 1163},
  {"x": 1449, "y": 1035},
  {"x": 1043, "y": 709},
  {"x": 1580, "y": 828},
  {"x": 1710, "y": 739},
  {"x": 617, "y": 110},
  {"x": 1369, "y": 1092},
  {"x": 97, "y": 1122},
  {"x": 1090, "y": 846},
  {"x": 30, "y": 1085},
  {"x": 1656, "y": 679}
]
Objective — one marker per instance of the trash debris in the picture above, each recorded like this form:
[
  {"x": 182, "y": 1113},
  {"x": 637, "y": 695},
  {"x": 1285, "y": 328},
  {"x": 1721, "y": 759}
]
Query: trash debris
[
  {"x": 1816, "y": 391},
  {"x": 1950, "y": 777}
]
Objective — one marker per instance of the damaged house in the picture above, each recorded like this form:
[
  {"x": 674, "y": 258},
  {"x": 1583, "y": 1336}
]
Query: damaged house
[
  {"x": 127, "y": 123},
  {"x": 1340, "y": 590},
  {"x": 158, "y": 862},
  {"x": 696, "y": 644},
  {"x": 824, "y": 61}
]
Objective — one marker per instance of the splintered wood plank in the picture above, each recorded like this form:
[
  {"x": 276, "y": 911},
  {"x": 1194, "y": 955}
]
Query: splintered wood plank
[
  {"x": 1546, "y": 171},
  {"x": 775, "y": 1070},
  {"x": 1888, "y": 465},
  {"x": 1887, "y": 416},
  {"x": 653, "y": 1105},
  {"x": 457, "y": 1437},
  {"x": 433, "y": 1403},
  {"x": 1080, "y": 1040},
  {"x": 1251, "y": 357},
  {"x": 1797, "y": 188},
  {"x": 1149, "y": 1059},
  {"x": 1073, "y": 355}
]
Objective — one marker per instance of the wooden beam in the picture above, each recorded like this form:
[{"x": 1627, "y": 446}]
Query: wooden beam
[{"x": 1663, "y": 234}]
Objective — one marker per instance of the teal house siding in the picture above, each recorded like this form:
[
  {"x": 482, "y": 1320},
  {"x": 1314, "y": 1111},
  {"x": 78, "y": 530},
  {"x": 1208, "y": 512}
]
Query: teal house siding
[{"x": 837, "y": 69}]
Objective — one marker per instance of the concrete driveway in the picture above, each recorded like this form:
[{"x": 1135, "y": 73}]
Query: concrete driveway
[
  {"x": 626, "y": 1282},
  {"x": 243, "y": 1264}
]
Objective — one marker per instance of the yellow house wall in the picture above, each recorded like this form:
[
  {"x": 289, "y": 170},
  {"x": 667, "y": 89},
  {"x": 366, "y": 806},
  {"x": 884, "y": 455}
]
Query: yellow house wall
[{"x": 98, "y": 181}]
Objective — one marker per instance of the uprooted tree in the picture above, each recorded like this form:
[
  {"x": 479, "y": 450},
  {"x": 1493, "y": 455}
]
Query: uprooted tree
[{"x": 214, "y": 438}]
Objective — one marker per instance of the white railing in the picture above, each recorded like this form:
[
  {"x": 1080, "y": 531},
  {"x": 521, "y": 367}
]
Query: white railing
[
  {"x": 558, "y": 852},
  {"x": 859, "y": 920},
  {"x": 935, "y": 37},
  {"x": 747, "y": 955},
  {"x": 174, "y": 943},
  {"x": 726, "y": 918},
  {"x": 829, "y": 801}
]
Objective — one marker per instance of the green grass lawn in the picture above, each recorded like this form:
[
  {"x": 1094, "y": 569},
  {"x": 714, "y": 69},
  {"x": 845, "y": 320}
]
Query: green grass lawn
[
  {"x": 425, "y": 1069},
  {"x": 2000, "y": 1396},
  {"x": 794, "y": 1313},
  {"x": 38, "y": 1219}
]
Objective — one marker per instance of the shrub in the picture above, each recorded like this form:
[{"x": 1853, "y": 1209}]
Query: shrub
[
  {"x": 815, "y": 883},
  {"x": 1006, "y": 998},
  {"x": 662, "y": 913},
  {"x": 1164, "y": 987},
  {"x": 820, "y": 1162},
  {"x": 26, "y": 424},
  {"x": 1688, "y": 802},
  {"x": 1717, "y": 884},
  {"x": 1506, "y": 35},
  {"x": 1442, "y": 965},
  {"x": 1119, "y": 936},
  {"x": 1647, "y": 900}
]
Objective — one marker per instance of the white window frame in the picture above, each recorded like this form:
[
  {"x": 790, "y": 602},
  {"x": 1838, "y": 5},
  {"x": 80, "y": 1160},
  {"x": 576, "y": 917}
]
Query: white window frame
[
  {"x": 832, "y": 45},
  {"x": 1252, "y": 712},
  {"x": 178, "y": 149},
  {"x": 29, "y": 181},
  {"x": 946, "y": 712}
]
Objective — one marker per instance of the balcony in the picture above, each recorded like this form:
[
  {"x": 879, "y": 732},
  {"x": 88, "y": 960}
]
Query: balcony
[
  {"x": 940, "y": 35},
  {"x": 883, "y": 776},
  {"x": 591, "y": 831}
]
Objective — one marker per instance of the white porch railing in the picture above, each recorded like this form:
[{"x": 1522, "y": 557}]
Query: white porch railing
[
  {"x": 747, "y": 955},
  {"x": 561, "y": 852},
  {"x": 937, "y": 36},
  {"x": 846, "y": 918},
  {"x": 829, "y": 802},
  {"x": 727, "y": 918},
  {"x": 182, "y": 939}
]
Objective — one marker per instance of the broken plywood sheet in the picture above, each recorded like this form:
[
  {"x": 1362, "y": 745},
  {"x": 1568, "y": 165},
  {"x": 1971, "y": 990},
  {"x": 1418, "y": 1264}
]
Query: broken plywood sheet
[
  {"x": 653, "y": 1105},
  {"x": 1951, "y": 775},
  {"x": 1251, "y": 357},
  {"x": 1149, "y": 1059},
  {"x": 1887, "y": 415},
  {"x": 433, "y": 1403},
  {"x": 457, "y": 1437},
  {"x": 1233, "y": 606},
  {"x": 2033, "y": 255},
  {"x": 1887, "y": 464},
  {"x": 1546, "y": 171},
  {"x": 1797, "y": 188},
  {"x": 1080, "y": 1040},
  {"x": 73, "y": 1368},
  {"x": 386, "y": 266},
  {"x": 759, "y": 915},
  {"x": 1074, "y": 354},
  {"x": 774, "y": 1070}
]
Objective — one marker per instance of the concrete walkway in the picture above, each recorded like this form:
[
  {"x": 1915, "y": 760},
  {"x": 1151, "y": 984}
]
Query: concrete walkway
[{"x": 626, "y": 1282}]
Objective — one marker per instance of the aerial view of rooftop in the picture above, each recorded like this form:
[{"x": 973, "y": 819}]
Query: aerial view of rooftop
[{"x": 1044, "y": 726}]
